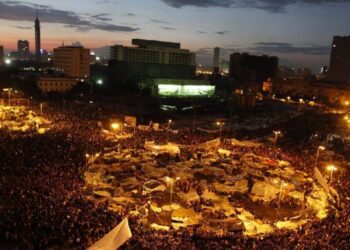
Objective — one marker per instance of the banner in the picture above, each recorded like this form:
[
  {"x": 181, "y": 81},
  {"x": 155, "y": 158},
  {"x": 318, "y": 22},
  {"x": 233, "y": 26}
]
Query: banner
[
  {"x": 321, "y": 180},
  {"x": 210, "y": 144},
  {"x": 143, "y": 127},
  {"x": 115, "y": 238},
  {"x": 130, "y": 121}
]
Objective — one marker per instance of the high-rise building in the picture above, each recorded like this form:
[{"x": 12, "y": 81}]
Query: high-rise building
[
  {"x": 150, "y": 59},
  {"x": 216, "y": 61},
  {"x": 2, "y": 55},
  {"x": 339, "y": 67},
  {"x": 23, "y": 49},
  {"x": 72, "y": 61},
  {"x": 245, "y": 68},
  {"x": 150, "y": 51},
  {"x": 37, "y": 38}
]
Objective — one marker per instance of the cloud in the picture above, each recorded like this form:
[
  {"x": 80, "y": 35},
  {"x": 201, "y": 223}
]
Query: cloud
[
  {"x": 23, "y": 11},
  {"x": 22, "y": 27},
  {"x": 222, "y": 32},
  {"x": 159, "y": 21},
  {"x": 286, "y": 48},
  {"x": 167, "y": 28},
  {"x": 201, "y": 32},
  {"x": 130, "y": 14},
  {"x": 268, "y": 5},
  {"x": 102, "y": 17}
]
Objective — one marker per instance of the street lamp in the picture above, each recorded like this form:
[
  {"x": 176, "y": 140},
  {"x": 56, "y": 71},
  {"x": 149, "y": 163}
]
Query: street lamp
[
  {"x": 220, "y": 124},
  {"x": 277, "y": 133},
  {"x": 168, "y": 130},
  {"x": 331, "y": 168},
  {"x": 283, "y": 184},
  {"x": 115, "y": 126},
  {"x": 8, "y": 90},
  {"x": 87, "y": 156},
  {"x": 99, "y": 82},
  {"x": 318, "y": 153},
  {"x": 171, "y": 181}
]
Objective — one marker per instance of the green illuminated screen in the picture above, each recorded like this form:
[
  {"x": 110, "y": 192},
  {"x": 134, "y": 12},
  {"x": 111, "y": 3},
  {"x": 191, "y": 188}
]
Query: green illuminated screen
[{"x": 185, "y": 90}]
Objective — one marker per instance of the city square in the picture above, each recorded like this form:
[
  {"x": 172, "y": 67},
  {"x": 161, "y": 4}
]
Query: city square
[{"x": 172, "y": 184}]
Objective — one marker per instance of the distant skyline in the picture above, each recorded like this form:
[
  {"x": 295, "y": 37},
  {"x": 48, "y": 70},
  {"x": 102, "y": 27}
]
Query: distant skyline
[{"x": 299, "y": 32}]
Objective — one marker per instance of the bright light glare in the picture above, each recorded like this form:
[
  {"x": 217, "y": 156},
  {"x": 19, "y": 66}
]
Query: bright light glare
[
  {"x": 7, "y": 61},
  {"x": 185, "y": 90},
  {"x": 99, "y": 82},
  {"x": 115, "y": 126},
  {"x": 331, "y": 168}
]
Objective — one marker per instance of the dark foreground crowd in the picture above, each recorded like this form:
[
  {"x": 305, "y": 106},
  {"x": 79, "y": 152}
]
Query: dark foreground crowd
[{"x": 44, "y": 203}]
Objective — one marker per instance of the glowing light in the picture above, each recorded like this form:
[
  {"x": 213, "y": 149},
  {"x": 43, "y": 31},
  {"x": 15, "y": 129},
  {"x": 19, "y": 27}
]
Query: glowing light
[
  {"x": 115, "y": 126},
  {"x": 331, "y": 168},
  {"x": 185, "y": 90},
  {"x": 99, "y": 81},
  {"x": 7, "y": 61}
]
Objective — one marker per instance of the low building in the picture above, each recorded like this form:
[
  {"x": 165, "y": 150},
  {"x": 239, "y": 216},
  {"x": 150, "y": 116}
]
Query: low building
[
  {"x": 334, "y": 92},
  {"x": 56, "y": 84}
]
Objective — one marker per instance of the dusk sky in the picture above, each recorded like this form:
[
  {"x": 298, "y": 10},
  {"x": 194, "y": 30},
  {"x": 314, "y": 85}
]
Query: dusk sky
[{"x": 299, "y": 32}]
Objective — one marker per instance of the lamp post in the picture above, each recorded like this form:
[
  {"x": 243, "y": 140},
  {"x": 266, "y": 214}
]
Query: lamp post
[
  {"x": 318, "y": 153},
  {"x": 283, "y": 184},
  {"x": 277, "y": 133},
  {"x": 115, "y": 126},
  {"x": 171, "y": 181},
  {"x": 87, "y": 156},
  {"x": 168, "y": 130},
  {"x": 331, "y": 168},
  {"x": 220, "y": 124}
]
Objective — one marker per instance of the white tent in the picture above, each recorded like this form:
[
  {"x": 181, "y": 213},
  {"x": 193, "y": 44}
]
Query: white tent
[{"x": 115, "y": 238}]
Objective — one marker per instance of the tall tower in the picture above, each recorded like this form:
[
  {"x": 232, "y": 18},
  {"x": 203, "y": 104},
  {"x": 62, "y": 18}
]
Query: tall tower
[
  {"x": 37, "y": 38},
  {"x": 216, "y": 61}
]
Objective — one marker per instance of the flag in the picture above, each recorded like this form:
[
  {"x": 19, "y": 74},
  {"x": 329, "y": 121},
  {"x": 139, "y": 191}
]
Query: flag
[{"x": 115, "y": 238}]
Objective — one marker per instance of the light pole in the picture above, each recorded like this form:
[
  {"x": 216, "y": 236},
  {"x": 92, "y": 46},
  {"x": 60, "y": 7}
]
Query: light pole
[
  {"x": 115, "y": 126},
  {"x": 220, "y": 124},
  {"x": 283, "y": 184},
  {"x": 171, "y": 180},
  {"x": 331, "y": 168},
  {"x": 168, "y": 130},
  {"x": 277, "y": 133},
  {"x": 8, "y": 90},
  {"x": 318, "y": 153}
]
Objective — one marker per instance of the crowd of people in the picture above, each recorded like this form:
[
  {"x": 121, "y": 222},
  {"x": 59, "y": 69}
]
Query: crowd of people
[{"x": 44, "y": 202}]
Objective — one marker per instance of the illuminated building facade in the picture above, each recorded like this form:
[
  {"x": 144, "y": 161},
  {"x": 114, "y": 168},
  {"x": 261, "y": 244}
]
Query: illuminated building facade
[
  {"x": 72, "y": 61},
  {"x": 339, "y": 68},
  {"x": 178, "y": 87}
]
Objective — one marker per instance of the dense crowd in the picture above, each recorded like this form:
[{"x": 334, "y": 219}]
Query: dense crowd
[{"x": 44, "y": 202}]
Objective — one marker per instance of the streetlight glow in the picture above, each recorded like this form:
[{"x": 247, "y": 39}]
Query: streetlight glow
[
  {"x": 115, "y": 126},
  {"x": 331, "y": 168}
]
